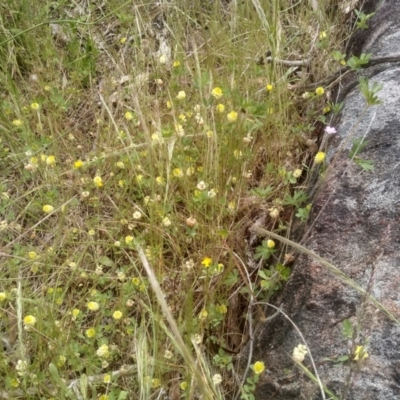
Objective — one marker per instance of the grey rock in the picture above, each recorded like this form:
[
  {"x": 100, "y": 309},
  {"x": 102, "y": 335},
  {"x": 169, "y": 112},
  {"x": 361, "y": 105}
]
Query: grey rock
[{"x": 358, "y": 231}]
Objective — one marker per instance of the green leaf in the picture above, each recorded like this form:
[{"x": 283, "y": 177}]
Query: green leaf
[
  {"x": 231, "y": 278},
  {"x": 57, "y": 378},
  {"x": 366, "y": 165},
  {"x": 299, "y": 197},
  {"x": 106, "y": 261},
  {"x": 347, "y": 329},
  {"x": 263, "y": 193}
]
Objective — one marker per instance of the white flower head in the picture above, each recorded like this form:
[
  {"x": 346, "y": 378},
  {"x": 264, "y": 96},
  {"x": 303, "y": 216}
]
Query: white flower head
[
  {"x": 299, "y": 353},
  {"x": 137, "y": 215},
  {"x": 330, "y": 130},
  {"x": 201, "y": 185}
]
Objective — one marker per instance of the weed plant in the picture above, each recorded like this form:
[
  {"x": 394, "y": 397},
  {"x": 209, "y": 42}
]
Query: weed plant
[{"x": 139, "y": 141}]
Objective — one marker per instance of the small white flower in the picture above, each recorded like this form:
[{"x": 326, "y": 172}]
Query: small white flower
[
  {"x": 217, "y": 378},
  {"x": 273, "y": 212},
  {"x": 197, "y": 339},
  {"x": 103, "y": 351},
  {"x": 168, "y": 354},
  {"x": 330, "y": 130},
  {"x": 137, "y": 215},
  {"x": 166, "y": 222},
  {"x": 189, "y": 264},
  {"x": 299, "y": 353},
  {"x": 201, "y": 185},
  {"x": 211, "y": 193},
  {"x": 21, "y": 367}
]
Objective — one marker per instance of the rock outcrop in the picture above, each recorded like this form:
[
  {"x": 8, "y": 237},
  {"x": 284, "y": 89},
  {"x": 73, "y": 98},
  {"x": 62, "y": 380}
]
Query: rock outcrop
[{"x": 355, "y": 225}]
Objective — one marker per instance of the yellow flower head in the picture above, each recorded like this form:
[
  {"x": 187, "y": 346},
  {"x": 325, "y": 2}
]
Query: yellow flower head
[
  {"x": 269, "y": 87},
  {"x": 17, "y": 122},
  {"x": 176, "y": 64},
  {"x": 319, "y": 157},
  {"x": 270, "y": 244},
  {"x": 181, "y": 95},
  {"x": 217, "y": 93},
  {"x": 48, "y": 208},
  {"x": 232, "y": 116},
  {"x": 203, "y": 314},
  {"x": 35, "y": 106},
  {"x": 78, "y": 164},
  {"x": 220, "y": 108},
  {"x": 128, "y": 116},
  {"x": 128, "y": 239},
  {"x": 29, "y": 320},
  {"x": 98, "y": 181},
  {"x": 117, "y": 315},
  {"x": 50, "y": 160},
  {"x": 322, "y": 35},
  {"x": 222, "y": 309},
  {"x": 90, "y": 333},
  {"x": 177, "y": 172},
  {"x": 93, "y": 306},
  {"x": 319, "y": 91},
  {"x": 360, "y": 354},
  {"x": 206, "y": 262},
  {"x": 258, "y": 367}
]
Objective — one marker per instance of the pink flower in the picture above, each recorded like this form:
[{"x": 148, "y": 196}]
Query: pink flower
[{"x": 330, "y": 130}]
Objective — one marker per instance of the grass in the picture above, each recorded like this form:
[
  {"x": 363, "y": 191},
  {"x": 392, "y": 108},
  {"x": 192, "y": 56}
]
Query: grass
[{"x": 139, "y": 142}]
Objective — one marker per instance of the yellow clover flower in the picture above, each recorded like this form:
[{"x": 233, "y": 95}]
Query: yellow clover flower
[
  {"x": 98, "y": 181},
  {"x": 128, "y": 116},
  {"x": 217, "y": 93},
  {"x": 78, "y": 164},
  {"x": 360, "y": 354},
  {"x": 48, "y": 208},
  {"x": 181, "y": 95},
  {"x": 177, "y": 172},
  {"x": 203, "y": 314},
  {"x": 270, "y": 244},
  {"x": 258, "y": 367},
  {"x": 220, "y": 108},
  {"x": 206, "y": 262},
  {"x": 93, "y": 306},
  {"x": 319, "y": 157},
  {"x": 50, "y": 160},
  {"x": 269, "y": 87},
  {"x": 232, "y": 116},
  {"x": 117, "y": 315},
  {"x": 29, "y": 320},
  {"x": 128, "y": 239},
  {"x": 319, "y": 91},
  {"x": 90, "y": 333},
  {"x": 35, "y": 106}
]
